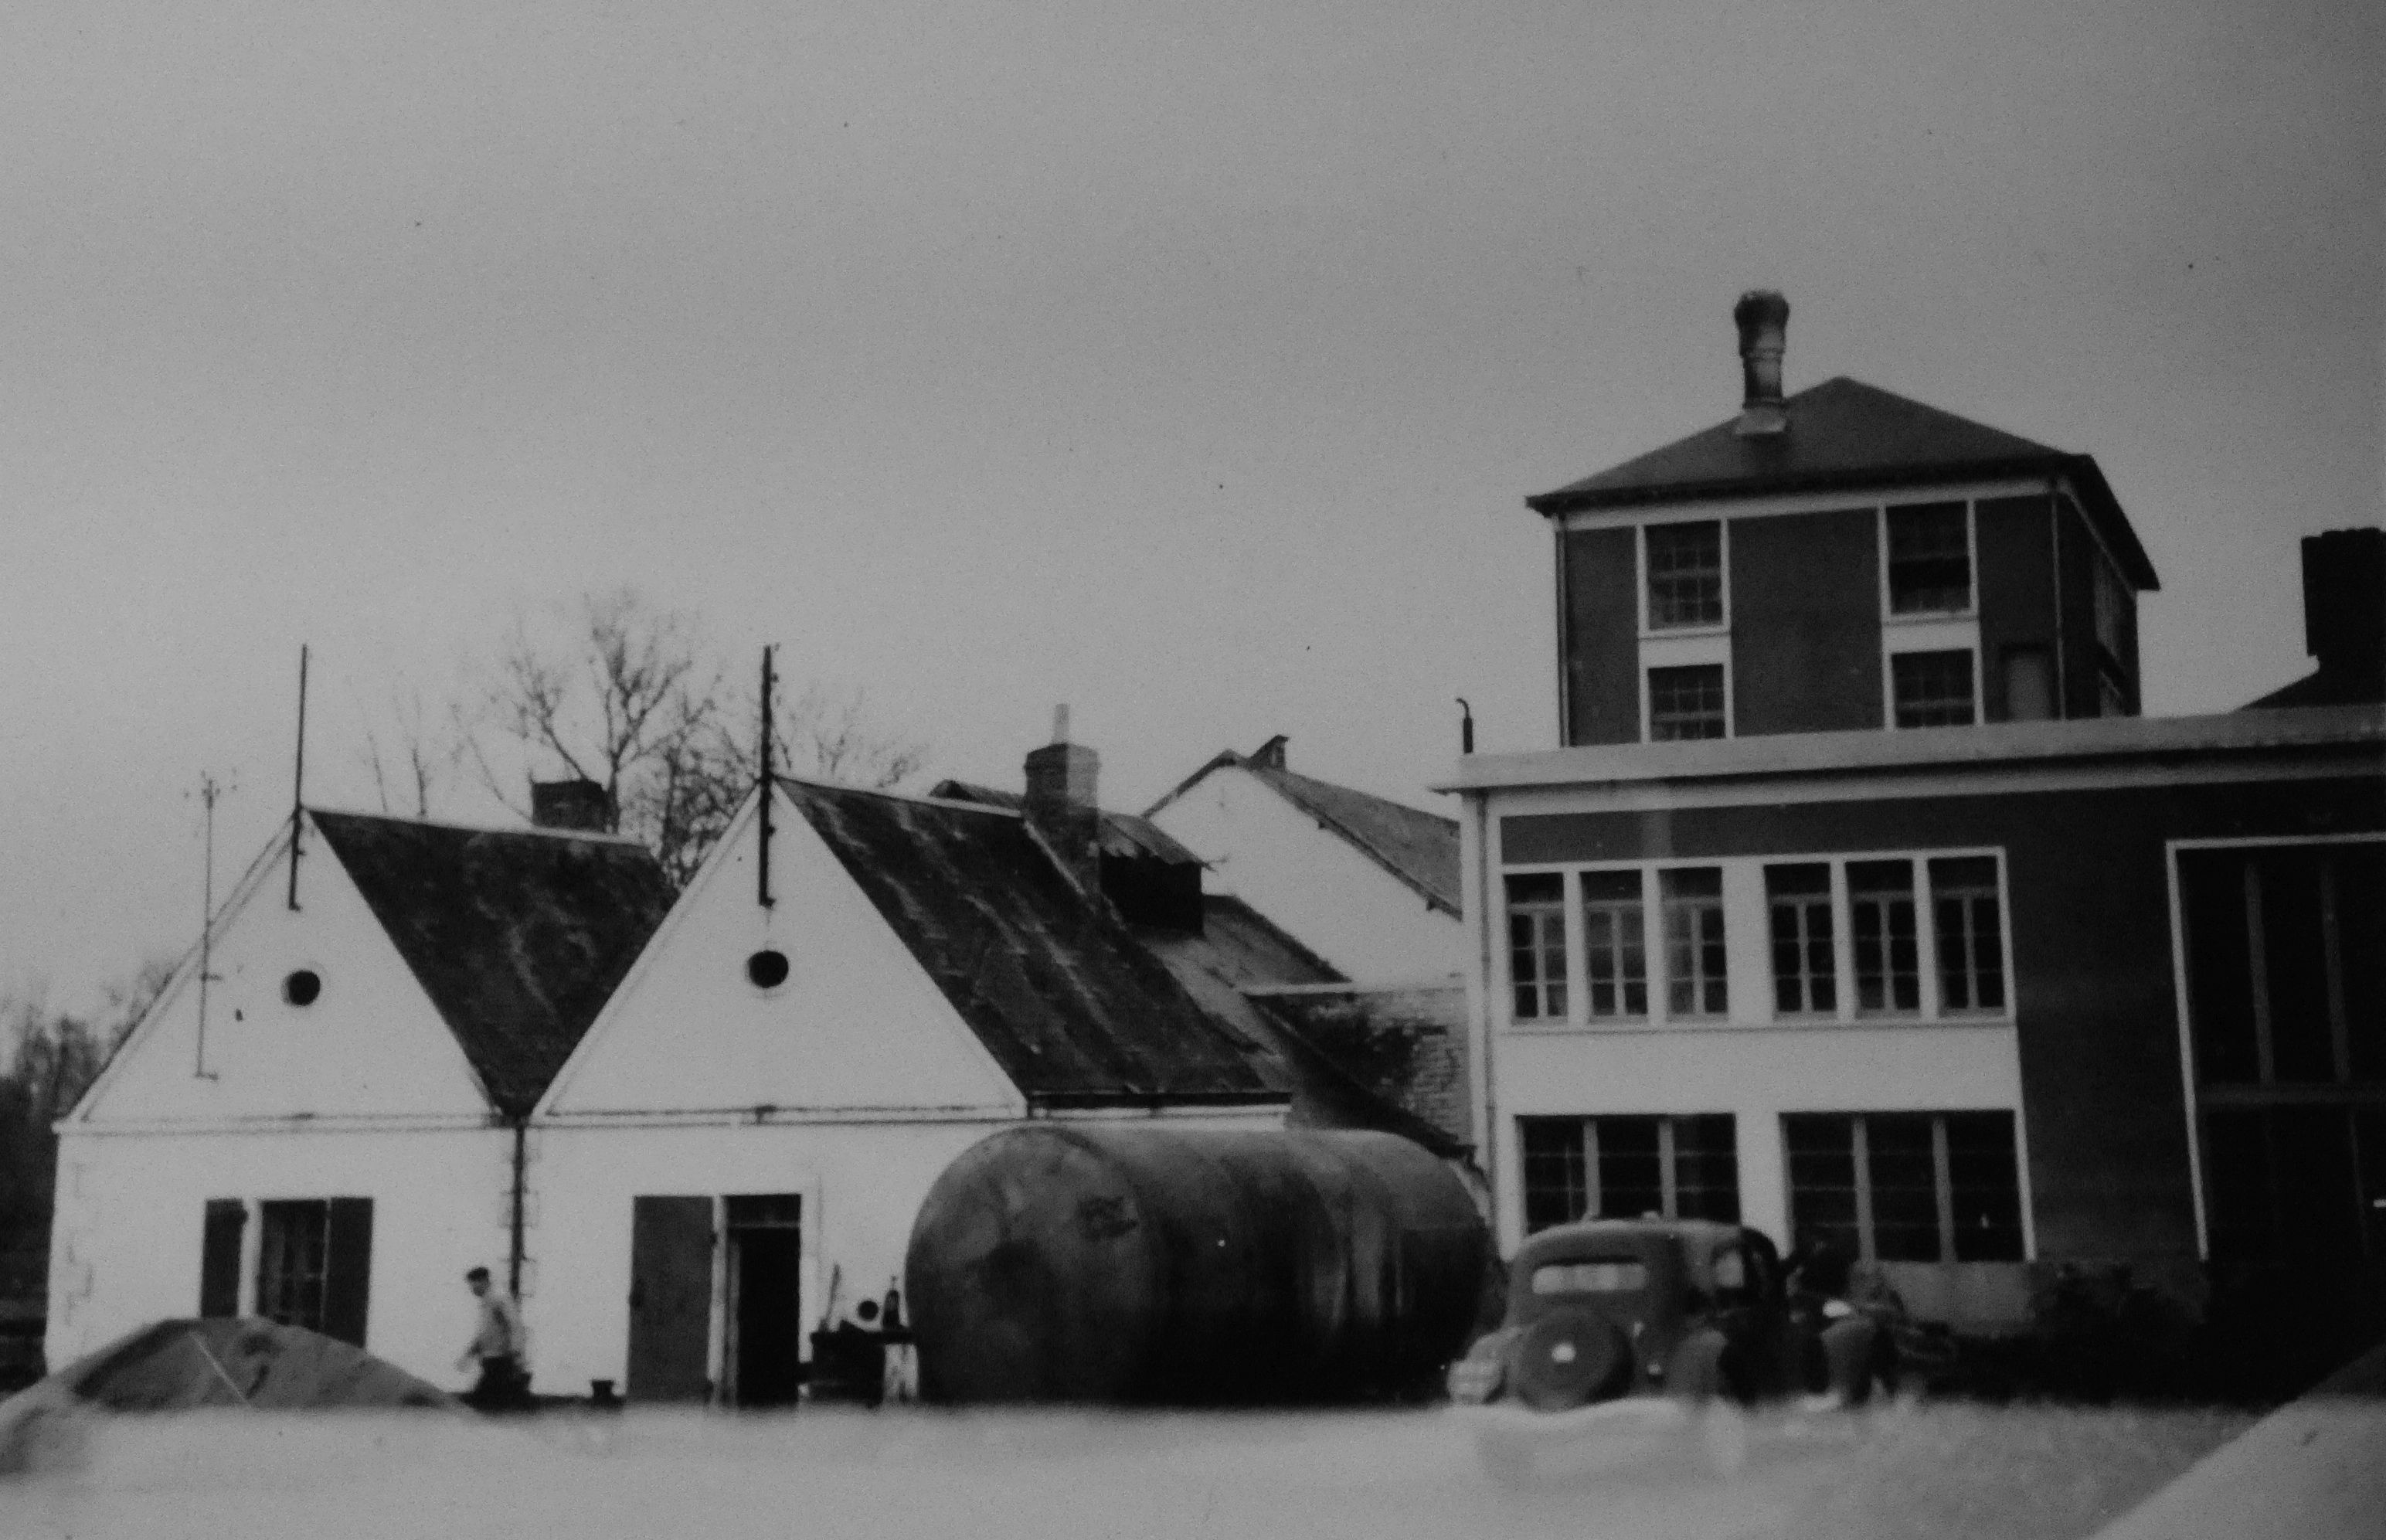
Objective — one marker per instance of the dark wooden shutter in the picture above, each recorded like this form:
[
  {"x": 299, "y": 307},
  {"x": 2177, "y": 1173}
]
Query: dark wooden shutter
[
  {"x": 220, "y": 1256},
  {"x": 348, "y": 1269},
  {"x": 670, "y": 1298}
]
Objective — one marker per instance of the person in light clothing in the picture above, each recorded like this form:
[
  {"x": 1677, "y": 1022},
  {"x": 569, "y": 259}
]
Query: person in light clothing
[{"x": 497, "y": 1347}]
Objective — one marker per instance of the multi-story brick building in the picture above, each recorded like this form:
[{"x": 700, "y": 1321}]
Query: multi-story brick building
[{"x": 1833, "y": 917}]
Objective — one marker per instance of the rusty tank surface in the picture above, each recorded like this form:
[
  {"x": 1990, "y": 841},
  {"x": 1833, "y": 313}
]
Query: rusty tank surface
[{"x": 1141, "y": 1264}]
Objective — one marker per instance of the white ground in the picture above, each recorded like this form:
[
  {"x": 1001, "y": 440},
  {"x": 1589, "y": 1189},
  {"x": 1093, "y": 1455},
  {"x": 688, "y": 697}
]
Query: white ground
[{"x": 825, "y": 1474}]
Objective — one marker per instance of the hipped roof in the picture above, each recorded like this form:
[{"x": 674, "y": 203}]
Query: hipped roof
[
  {"x": 517, "y": 936},
  {"x": 1846, "y": 434},
  {"x": 1074, "y": 1009}
]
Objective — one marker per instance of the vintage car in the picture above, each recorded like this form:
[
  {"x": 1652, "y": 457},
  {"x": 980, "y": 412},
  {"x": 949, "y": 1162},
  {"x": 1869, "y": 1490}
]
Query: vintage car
[{"x": 1658, "y": 1322}]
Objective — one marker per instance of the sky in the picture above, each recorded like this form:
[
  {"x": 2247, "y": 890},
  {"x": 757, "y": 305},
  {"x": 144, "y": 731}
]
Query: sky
[{"x": 1187, "y": 364}]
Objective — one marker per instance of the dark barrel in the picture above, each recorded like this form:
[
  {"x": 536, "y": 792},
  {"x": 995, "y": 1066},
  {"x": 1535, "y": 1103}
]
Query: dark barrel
[{"x": 1141, "y": 1263}]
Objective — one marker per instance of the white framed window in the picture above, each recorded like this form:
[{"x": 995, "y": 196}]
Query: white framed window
[
  {"x": 1687, "y": 701},
  {"x": 1906, "y": 1186},
  {"x": 1933, "y": 689},
  {"x": 1626, "y": 1166},
  {"x": 1537, "y": 947},
  {"x": 1802, "y": 939},
  {"x": 1928, "y": 558},
  {"x": 1682, "y": 578}
]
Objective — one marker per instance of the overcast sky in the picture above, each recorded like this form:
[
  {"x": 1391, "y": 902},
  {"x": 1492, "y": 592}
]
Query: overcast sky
[{"x": 1187, "y": 363}]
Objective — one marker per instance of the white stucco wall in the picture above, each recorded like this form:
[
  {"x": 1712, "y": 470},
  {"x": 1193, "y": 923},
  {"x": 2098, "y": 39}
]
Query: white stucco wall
[
  {"x": 858, "y": 1024},
  {"x": 1310, "y": 881},
  {"x": 371, "y": 1043},
  {"x": 126, "y": 1245}
]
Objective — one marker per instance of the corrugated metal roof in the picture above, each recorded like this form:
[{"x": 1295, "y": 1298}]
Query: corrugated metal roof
[
  {"x": 1072, "y": 1006},
  {"x": 1123, "y": 835},
  {"x": 1846, "y": 433},
  {"x": 517, "y": 936}
]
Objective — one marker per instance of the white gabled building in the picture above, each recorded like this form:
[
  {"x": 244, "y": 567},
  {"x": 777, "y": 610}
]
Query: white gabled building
[
  {"x": 1367, "y": 884},
  {"x": 737, "y": 1150},
  {"x": 324, "y": 1129}
]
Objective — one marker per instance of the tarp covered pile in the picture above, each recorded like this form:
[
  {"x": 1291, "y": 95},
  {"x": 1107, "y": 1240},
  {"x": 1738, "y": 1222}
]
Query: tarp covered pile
[{"x": 180, "y": 1365}]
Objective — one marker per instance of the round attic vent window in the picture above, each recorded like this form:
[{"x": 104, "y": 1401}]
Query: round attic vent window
[
  {"x": 767, "y": 968},
  {"x": 301, "y": 988}
]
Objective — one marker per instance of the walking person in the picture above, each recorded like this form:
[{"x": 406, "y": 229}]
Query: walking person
[{"x": 497, "y": 1347}]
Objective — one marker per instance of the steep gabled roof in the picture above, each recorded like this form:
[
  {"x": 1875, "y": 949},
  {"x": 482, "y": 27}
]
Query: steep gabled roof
[
  {"x": 1071, "y": 1005},
  {"x": 517, "y": 936},
  {"x": 1844, "y": 433},
  {"x": 1420, "y": 848},
  {"x": 1122, "y": 835}
]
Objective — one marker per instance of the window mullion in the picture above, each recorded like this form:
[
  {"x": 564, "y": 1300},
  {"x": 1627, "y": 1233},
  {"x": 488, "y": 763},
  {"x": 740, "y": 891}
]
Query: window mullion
[
  {"x": 2332, "y": 955},
  {"x": 1865, "y": 1250},
  {"x": 1577, "y": 963},
  {"x": 1669, "y": 1197},
  {"x": 1926, "y": 943},
  {"x": 1943, "y": 1177},
  {"x": 1594, "y": 1201},
  {"x": 2258, "y": 967}
]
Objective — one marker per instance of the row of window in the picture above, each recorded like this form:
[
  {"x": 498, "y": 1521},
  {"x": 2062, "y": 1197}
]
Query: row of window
[
  {"x": 2283, "y": 948},
  {"x": 1811, "y": 906},
  {"x": 1875, "y": 1187},
  {"x": 1926, "y": 689},
  {"x": 1928, "y": 547}
]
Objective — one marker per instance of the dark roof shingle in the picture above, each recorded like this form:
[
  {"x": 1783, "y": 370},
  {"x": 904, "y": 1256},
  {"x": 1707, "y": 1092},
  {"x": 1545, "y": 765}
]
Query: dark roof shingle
[
  {"x": 1420, "y": 848},
  {"x": 1122, "y": 835},
  {"x": 1069, "y": 1004},
  {"x": 1844, "y": 433},
  {"x": 517, "y": 936}
]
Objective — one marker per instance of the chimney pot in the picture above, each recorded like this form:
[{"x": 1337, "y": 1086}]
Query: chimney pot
[
  {"x": 580, "y": 804},
  {"x": 1062, "y": 784},
  {"x": 1763, "y": 316}
]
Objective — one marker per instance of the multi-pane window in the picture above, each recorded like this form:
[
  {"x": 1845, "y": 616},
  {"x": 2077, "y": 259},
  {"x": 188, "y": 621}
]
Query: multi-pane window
[
  {"x": 1805, "y": 974},
  {"x": 1932, "y": 689},
  {"x": 1967, "y": 923},
  {"x": 1906, "y": 1186},
  {"x": 1694, "y": 948},
  {"x": 1685, "y": 574},
  {"x": 2282, "y": 945},
  {"x": 1881, "y": 933},
  {"x": 291, "y": 1262},
  {"x": 1615, "y": 946},
  {"x": 1624, "y": 1167},
  {"x": 1686, "y": 702},
  {"x": 1930, "y": 559},
  {"x": 1536, "y": 948}
]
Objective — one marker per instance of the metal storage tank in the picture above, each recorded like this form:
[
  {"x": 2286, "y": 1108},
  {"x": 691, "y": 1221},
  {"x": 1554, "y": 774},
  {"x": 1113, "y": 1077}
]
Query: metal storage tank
[{"x": 1139, "y": 1263}]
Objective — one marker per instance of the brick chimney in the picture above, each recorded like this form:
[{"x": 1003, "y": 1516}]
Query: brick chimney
[
  {"x": 1763, "y": 316},
  {"x": 2345, "y": 607},
  {"x": 1060, "y": 805},
  {"x": 581, "y": 805}
]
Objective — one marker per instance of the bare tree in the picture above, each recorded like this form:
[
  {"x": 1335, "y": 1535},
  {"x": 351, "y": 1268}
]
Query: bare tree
[
  {"x": 410, "y": 753},
  {"x": 634, "y": 699}
]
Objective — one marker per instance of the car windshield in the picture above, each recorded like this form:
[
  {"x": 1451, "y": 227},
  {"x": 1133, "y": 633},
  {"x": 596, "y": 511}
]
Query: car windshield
[{"x": 1600, "y": 1277}]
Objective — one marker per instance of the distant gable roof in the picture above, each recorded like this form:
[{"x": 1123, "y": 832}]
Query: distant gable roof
[
  {"x": 1123, "y": 834},
  {"x": 1069, "y": 1004},
  {"x": 1844, "y": 433},
  {"x": 517, "y": 936},
  {"x": 1418, "y": 847}
]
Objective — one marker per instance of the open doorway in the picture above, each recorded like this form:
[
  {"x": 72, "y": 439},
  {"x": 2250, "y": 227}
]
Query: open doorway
[{"x": 763, "y": 1347}]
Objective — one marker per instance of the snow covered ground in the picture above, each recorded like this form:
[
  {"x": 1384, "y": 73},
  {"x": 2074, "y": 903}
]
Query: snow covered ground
[{"x": 1950, "y": 1470}]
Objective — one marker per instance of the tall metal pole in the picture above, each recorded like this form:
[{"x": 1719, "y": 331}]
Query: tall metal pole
[
  {"x": 763, "y": 786},
  {"x": 298, "y": 780},
  {"x": 208, "y": 792}
]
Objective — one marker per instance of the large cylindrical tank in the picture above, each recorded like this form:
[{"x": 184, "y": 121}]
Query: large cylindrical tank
[{"x": 1141, "y": 1263}]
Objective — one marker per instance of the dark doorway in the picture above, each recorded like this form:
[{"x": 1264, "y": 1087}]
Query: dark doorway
[
  {"x": 671, "y": 1299},
  {"x": 765, "y": 1300}
]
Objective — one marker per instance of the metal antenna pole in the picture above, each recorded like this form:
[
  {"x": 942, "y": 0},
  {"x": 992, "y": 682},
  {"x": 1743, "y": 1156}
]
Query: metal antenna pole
[
  {"x": 298, "y": 780},
  {"x": 762, "y": 784},
  {"x": 210, "y": 789}
]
